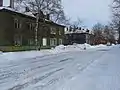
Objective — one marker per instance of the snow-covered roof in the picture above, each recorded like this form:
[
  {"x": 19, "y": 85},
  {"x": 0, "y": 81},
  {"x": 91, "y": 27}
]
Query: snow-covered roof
[
  {"x": 13, "y": 10},
  {"x": 8, "y": 9},
  {"x": 30, "y": 14},
  {"x": 78, "y": 31}
]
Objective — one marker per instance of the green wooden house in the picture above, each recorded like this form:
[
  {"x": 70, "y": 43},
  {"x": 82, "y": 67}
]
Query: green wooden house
[{"x": 17, "y": 30}]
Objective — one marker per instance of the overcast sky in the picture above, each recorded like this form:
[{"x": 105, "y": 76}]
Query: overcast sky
[{"x": 90, "y": 11}]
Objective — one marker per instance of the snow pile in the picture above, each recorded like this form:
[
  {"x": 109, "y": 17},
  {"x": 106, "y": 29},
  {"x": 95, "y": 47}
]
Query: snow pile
[
  {"x": 62, "y": 48},
  {"x": 101, "y": 46},
  {"x": 0, "y": 52},
  {"x": 78, "y": 47},
  {"x": 98, "y": 46},
  {"x": 84, "y": 46},
  {"x": 10, "y": 56}
]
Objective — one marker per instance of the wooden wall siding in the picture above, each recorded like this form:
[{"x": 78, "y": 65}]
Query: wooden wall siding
[{"x": 8, "y": 30}]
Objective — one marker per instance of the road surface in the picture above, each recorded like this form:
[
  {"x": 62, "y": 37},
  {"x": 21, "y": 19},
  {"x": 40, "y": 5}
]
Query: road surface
[{"x": 76, "y": 70}]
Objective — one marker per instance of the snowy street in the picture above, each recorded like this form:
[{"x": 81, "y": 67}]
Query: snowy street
[{"x": 96, "y": 69}]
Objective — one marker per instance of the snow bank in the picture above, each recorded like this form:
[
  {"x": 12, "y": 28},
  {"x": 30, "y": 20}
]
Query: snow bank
[
  {"x": 0, "y": 52},
  {"x": 4, "y": 57},
  {"x": 85, "y": 46},
  {"x": 99, "y": 46}
]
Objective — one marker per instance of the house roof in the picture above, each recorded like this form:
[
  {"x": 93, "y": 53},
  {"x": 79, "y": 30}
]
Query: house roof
[{"x": 27, "y": 14}]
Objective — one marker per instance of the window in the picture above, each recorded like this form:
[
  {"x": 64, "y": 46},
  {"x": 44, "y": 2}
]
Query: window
[
  {"x": 29, "y": 26},
  {"x": 53, "y": 42},
  {"x": 44, "y": 40},
  {"x": 31, "y": 41},
  {"x": 60, "y": 41},
  {"x": 60, "y": 33},
  {"x": 33, "y": 26},
  {"x": 17, "y": 24},
  {"x": 18, "y": 40},
  {"x": 53, "y": 30}
]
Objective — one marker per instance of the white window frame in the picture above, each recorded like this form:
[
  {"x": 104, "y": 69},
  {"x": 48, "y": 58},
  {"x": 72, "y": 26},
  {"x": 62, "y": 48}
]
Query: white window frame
[{"x": 44, "y": 41}]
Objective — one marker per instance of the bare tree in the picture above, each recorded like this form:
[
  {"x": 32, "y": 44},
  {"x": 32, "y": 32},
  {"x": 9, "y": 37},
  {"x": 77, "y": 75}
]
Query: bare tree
[
  {"x": 116, "y": 15},
  {"x": 109, "y": 34},
  {"x": 104, "y": 33},
  {"x": 98, "y": 33},
  {"x": 98, "y": 29},
  {"x": 77, "y": 23},
  {"x": 52, "y": 7}
]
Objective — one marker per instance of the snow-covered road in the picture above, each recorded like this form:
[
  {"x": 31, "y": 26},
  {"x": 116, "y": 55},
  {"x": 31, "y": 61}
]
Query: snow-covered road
[
  {"x": 102, "y": 74},
  {"x": 76, "y": 70}
]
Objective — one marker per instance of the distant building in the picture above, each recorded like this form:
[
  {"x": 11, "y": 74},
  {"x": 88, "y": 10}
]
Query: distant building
[{"x": 79, "y": 37}]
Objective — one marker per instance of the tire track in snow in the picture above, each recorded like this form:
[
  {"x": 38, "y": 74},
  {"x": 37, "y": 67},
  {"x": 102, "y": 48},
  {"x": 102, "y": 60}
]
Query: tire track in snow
[
  {"x": 34, "y": 81},
  {"x": 58, "y": 61},
  {"x": 11, "y": 73},
  {"x": 36, "y": 59},
  {"x": 55, "y": 80}
]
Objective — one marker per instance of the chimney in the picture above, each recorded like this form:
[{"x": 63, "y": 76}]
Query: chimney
[
  {"x": 11, "y": 3},
  {"x": 48, "y": 16},
  {"x": 80, "y": 28},
  {"x": 1, "y": 3},
  {"x": 27, "y": 9}
]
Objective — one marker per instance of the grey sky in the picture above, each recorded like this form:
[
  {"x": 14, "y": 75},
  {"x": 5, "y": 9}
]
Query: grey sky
[
  {"x": 90, "y": 11},
  {"x": 6, "y": 2}
]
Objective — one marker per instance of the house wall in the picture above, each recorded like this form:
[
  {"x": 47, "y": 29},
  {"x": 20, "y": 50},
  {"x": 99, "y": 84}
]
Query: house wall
[
  {"x": 75, "y": 38},
  {"x": 6, "y": 29}
]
